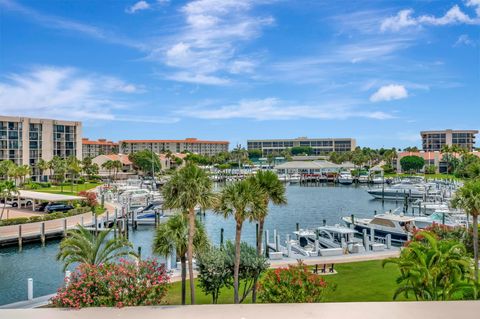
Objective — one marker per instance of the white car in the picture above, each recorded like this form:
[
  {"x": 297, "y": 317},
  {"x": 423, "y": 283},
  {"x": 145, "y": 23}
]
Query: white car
[{"x": 23, "y": 202}]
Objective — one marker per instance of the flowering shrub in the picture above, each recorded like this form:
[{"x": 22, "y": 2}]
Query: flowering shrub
[
  {"x": 295, "y": 284},
  {"x": 119, "y": 285},
  {"x": 90, "y": 198}
]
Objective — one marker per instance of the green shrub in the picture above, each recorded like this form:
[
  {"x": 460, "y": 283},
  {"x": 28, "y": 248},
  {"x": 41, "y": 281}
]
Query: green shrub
[
  {"x": 47, "y": 217},
  {"x": 14, "y": 221},
  {"x": 295, "y": 284}
]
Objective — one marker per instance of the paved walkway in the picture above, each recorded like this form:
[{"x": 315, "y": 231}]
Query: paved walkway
[{"x": 361, "y": 310}]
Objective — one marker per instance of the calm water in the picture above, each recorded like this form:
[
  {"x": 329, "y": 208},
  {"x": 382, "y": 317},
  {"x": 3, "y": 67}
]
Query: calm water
[{"x": 306, "y": 205}]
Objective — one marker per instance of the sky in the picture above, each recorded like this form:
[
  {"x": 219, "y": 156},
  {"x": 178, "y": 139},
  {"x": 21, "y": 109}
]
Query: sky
[{"x": 376, "y": 71}]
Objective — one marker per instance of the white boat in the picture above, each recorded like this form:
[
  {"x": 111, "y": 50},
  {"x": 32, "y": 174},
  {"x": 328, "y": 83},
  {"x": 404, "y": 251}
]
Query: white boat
[
  {"x": 294, "y": 178},
  {"x": 345, "y": 178},
  {"x": 435, "y": 218},
  {"x": 363, "y": 179},
  {"x": 398, "y": 226},
  {"x": 401, "y": 190},
  {"x": 378, "y": 180}
]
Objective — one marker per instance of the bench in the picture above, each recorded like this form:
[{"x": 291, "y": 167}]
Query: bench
[
  {"x": 275, "y": 255},
  {"x": 331, "y": 251},
  {"x": 324, "y": 269}
]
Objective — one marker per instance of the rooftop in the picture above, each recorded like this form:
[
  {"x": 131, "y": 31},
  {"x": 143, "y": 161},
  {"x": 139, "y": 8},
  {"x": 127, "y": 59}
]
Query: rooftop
[
  {"x": 86, "y": 141},
  {"x": 187, "y": 140}
]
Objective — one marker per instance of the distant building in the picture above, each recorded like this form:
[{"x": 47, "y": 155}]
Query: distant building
[
  {"x": 94, "y": 148},
  {"x": 127, "y": 166},
  {"x": 435, "y": 140},
  {"x": 320, "y": 146},
  {"x": 25, "y": 140},
  {"x": 192, "y": 145},
  {"x": 431, "y": 158}
]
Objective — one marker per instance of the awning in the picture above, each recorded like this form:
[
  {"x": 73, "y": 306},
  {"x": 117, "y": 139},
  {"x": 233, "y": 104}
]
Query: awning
[{"x": 48, "y": 197}]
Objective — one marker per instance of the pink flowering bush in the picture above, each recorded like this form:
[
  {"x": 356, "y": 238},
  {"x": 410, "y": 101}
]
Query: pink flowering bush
[
  {"x": 114, "y": 285},
  {"x": 295, "y": 284}
]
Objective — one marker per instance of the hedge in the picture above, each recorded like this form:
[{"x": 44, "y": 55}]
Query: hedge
[{"x": 46, "y": 217}]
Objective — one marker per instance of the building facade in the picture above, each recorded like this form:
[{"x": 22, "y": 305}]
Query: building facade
[
  {"x": 192, "y": 145},
  {"x": 94, "y": 148},
  {"x": 25, "y": 141},
  {"x": 435, "y": 158},
  {"x": 320, "y": 146},
  {"x": 435, "y": 140}
]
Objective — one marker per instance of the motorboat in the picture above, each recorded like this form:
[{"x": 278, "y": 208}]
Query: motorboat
[
  {"x": 401, "y": 190},
  {"x": 378, "y": 180},
  {"x": 398, "y": 226},
  {"x": 363, "y": 179},
  {"x": 146, "y": 215},
  {"x": 435, "y": 218},
  {"x": 294, "y": 178},
  {"x": 305, "y": 243},
  {"x": 345, "y": 178}
]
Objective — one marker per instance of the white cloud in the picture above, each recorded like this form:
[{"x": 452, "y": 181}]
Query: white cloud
[
  {"x": 208, "y": 45},
  {"x": 189, "y": 77},
  {"x": 389, "y": 92},
  {"x": 475, "y": 4},
  {"x": 276, "y": 109},
  {"x": 67, "y": 93},
  {"x": 138, "y": 6},
  {"x": 464, "y": 39},
  {"x": 454, "y": 15}
]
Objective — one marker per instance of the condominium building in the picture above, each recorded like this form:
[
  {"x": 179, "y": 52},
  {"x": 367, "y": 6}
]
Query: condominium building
[
  {"x": 26, "y": 140},
  {"x": 320, "y": 146},
  {"x": 175, "y": 146},
  {"x": 101, "y": 147},
  {"x": 435, "y": 140}
]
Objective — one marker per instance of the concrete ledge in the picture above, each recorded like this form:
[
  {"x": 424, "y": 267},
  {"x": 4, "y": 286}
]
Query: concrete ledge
[{"x": 365, "y": 310}]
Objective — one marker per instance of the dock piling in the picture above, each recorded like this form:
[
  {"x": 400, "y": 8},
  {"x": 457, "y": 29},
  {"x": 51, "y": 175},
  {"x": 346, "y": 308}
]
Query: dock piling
[
  {"x": 289, "y": 246},
  {"x": 372, "y": 235},
  {"x": 365, "y": 239},
  {"x": 221, "y": 236},
  {"x": 388, "y": 239},
  {"x": 277, "y": 243},
  {"x": 30, "y": 288}
]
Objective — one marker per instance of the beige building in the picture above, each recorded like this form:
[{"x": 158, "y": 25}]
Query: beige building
[
  {"x": 94, "y": 148},
  {"x": 192, "y": 145},
  {"x": 127, "y": 166},
  {"x": 25, "y": 140},
  {"x": 320, "y": 146},
  {"x": 435, "y": 140}
]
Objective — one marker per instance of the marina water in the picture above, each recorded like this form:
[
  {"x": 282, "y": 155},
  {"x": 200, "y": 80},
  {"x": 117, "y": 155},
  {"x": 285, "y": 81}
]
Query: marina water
[{"x": 308, "y": 206}]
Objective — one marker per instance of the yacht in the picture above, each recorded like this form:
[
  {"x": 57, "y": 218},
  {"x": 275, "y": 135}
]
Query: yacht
[
  {"x": 377, "y": 180},
  {"x": 400, "y": 190},
  {"x": 294, "y": 178},
  {"x": 439, "y": 218},
  {"x": 363, "y": 179},
  {"x": 345, "y": 178},
  {"x": 398, "y": 226}
]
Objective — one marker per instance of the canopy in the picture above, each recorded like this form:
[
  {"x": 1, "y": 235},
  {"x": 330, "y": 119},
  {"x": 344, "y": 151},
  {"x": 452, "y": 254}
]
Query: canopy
[{"x": 48, "y": 197}]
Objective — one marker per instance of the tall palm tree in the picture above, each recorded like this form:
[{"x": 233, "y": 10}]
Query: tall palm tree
[
  {"x": 84, "y": 247},
  {"x": 189, "y": 187},
  {"x": 42, "y": 166},
  {"x": 108, "y": 165},
  {"x": 22, "y": 172},
  {"x": 241, "y": 200},
  {"x": 59, "y": 167},
  {"x": 74, "y": 168},
  {"x": 8, "y": 189},
  {"x": 173, "y": 235},
  {"x": 468, "y": 198},
  {"x": 274, "y": 192}
]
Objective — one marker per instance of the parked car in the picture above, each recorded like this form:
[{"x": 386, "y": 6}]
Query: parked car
[
  {"x": 57, "y": 207},
  {"x": 14, "y": 202}
]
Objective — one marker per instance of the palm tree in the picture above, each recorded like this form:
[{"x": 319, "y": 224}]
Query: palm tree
[
  {"x": 59, "y": 168},
  {"x": 83, "y": 246},
  {"x": 116, "y": 167},
  {"x": 468, "y": 198},
  {"x": 433, "y": 269},
  {"x": 241, "y": 200},
  {"x": 42, "y": 166},
  {"x": 173, "y": 235},
  {"x": 189, "y": 187},
  {"x": 274, "y": 192},
  {"x": 22, "y": 172},
  {"x": 108, "y": 165},
  {"x": 8, "y": 189},
  {"x": 74, "y": 168}
]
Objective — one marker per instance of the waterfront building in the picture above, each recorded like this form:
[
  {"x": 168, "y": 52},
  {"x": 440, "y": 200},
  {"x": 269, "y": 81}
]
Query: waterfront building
[
  {"x": 192, "y": 145},
  {"x": 25, "y": 140},
  {"x": 311, "y": 167},
  {"x": 431, "y": 158},
  {"x": 320, "y": 146},
  {"x": 94, "y": 148},
  {"x": 435, "y": 140}
]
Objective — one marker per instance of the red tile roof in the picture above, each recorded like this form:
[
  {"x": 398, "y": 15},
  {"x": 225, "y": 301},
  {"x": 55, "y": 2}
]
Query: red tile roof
[
  {"x": 120, "y": 157},
  {"x": 86, "y": 141}
]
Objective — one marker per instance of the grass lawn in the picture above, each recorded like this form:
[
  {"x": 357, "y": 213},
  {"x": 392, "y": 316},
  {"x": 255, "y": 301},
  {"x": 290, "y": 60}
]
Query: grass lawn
[
  {"x": 360, "y": 281},
  {"x": 67, "y": 188}
]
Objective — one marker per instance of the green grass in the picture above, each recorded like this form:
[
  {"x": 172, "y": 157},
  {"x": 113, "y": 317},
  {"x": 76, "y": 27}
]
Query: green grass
[
  {"x": 54, "y": 189},
  {"x": 359, "y": 281}
]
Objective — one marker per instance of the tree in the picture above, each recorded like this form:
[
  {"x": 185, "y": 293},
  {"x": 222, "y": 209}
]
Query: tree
[
  {"x": 173, "y": 235},
  {"x": 412, "y": 163},
  {"x": 411, "y": 149},
  {"x": 89, "y": 168},
  {"x": 254, "y": 154},
  {"x": 84, "y": 247},
  {"x": 301, "y": 150},
  {"x": 433, "y": 269},
  {"x": 189, "y": 187},
  {"x": 8, "y": 189},
  {"x": 241, "y": 200},
  {"x": 213, "y": 272},
  {"x": 42, "y": 166},
  {"x": 146, "y": 161},
  {"x": 59, "y": 168},
  {"x": 468, "y": 198},
  {"x": 239, "y": 155},
  {"x": 274, "y": 192},
  {"x": 74, "y": 168},
  {"x": 22, "y": 172}
]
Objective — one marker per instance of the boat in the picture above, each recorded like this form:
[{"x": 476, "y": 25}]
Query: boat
[
  {"x": 305, "y": 243},
  {"x": 146, "y": 215},
  {"x": 401, "y": 190},
  {"x": 363, "y": 179},
  {"x": 345, "y": 178},
  {"x": 439, "y": 218},
  {"x": 398, "y": 226},
  {"x": 378, "y": 180},
  {"x": 294, "y": 178}
]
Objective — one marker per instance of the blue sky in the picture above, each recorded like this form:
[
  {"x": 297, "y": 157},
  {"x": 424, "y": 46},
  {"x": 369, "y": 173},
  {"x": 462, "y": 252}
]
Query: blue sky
[{"x": 377, "y": 71}]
